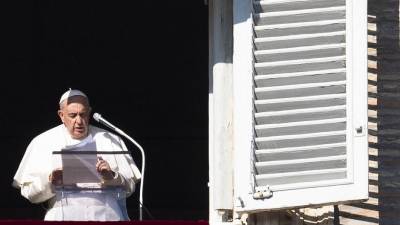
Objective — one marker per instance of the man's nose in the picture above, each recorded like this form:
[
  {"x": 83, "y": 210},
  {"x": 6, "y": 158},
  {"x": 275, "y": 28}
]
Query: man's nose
[{"x": 79, "y": 119}]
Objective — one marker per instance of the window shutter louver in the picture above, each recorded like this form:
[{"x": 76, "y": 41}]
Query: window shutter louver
[
  {"x": 299, "y": 93},
  {"x": 304, "y": 86}
]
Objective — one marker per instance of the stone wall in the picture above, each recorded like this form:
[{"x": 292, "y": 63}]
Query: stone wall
[{"x": 383, "y": 206}]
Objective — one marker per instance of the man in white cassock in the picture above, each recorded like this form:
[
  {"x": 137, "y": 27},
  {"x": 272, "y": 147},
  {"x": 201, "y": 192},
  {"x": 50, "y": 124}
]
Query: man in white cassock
[{"x": 38, "y": 178}]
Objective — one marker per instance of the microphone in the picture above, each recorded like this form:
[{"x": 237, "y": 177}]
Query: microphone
[{"x": 100, "y": 119}]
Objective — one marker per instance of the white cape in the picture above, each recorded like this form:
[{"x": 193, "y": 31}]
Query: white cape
[{"x": 32, "y": 176}]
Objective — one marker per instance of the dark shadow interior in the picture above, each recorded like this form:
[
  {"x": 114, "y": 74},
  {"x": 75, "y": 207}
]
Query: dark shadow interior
[{"x": 144, "y": 66}]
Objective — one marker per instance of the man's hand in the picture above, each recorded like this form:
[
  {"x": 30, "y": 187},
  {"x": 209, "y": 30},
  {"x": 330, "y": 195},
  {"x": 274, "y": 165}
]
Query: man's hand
[
  {"x": 56, "y": 177},
  {"x": 104, "y": 169}
]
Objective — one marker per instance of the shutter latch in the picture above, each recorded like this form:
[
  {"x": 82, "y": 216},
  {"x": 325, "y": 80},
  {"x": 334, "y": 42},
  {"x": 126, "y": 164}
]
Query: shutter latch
[
  {"x": 262, "y": 192},
  {"x": 359, "y": 131}
]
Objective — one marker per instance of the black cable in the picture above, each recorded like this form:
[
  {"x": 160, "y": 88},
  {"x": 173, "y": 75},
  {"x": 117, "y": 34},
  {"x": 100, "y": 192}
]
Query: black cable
[{"x": 147, "y": 211}]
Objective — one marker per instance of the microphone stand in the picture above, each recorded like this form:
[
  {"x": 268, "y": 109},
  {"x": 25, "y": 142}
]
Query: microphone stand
[
  {"x": 98, "y": 118},
  {"x": 143, "y": 166}
]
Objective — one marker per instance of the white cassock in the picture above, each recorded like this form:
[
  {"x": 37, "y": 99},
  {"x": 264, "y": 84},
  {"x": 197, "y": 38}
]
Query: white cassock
[{"x": 32, "y": 177}]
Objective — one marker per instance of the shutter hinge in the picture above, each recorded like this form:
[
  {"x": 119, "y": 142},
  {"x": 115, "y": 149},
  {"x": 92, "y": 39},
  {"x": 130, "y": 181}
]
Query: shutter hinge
[{"x": 262, "y": 192}]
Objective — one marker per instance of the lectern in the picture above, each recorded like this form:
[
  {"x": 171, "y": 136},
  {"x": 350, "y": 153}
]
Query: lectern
[{"x": 83, "y": 195}]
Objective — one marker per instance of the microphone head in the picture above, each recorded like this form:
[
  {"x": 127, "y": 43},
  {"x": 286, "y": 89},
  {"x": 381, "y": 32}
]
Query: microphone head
[{"x": 96, "y": 116}]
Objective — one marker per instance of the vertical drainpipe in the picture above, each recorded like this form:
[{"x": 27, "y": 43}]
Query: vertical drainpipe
[{"x": 220, "y": 110}]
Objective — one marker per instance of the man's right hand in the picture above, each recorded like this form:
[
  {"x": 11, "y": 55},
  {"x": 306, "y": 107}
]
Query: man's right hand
[{"x": 56, "y": 177}]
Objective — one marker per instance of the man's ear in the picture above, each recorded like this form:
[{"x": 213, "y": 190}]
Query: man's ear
[{"x": 61, "y": 115}]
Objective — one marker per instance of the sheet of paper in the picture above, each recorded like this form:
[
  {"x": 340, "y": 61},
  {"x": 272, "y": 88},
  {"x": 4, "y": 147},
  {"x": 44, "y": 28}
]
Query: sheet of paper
[
  {"x": 80, "y": 168},
  {"x": 79, "y": 164}
]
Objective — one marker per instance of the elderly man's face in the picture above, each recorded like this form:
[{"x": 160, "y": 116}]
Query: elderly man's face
[{"x": 75, "y": 113}]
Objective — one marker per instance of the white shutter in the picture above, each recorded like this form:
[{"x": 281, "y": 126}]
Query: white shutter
[{"x": 300, "y": 102}]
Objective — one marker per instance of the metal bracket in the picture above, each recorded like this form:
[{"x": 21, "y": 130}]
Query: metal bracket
[
  {"x": 263, "y": 192},
  {"x": 240, "y": 219}
]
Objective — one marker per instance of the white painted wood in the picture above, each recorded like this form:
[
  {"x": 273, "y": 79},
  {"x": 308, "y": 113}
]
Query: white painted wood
[
  {"x": 300, "y": 136},
  {"x": 300, "y": 61},
  {"x": 299, "y": 111},
  {"x": 297, "y": 149},
  {"x": 333, "y": 27},
  {"x": 300, "y": 129},
  {"x": 293, "y": 124},
  {"x": 278, "y": 189},
  {"x": 357, "y": 54},
  {"x": 332, "y": 89},
  {"x": 299, "y": 49},
  {"x": 297, "y": 117},
  {"x": 301, "y": 161},
  {"x": 303, "y": 11},
  {"x": 301, "y": 99},
  {"x": 301, "y": 173},
  {"x": 272, "y": 6},
  {"x": 299, "y": 36},
  {"x": 303, "y": 55},
  {"x": 220, "y": 112},
  {"x": 300, "y": 67},
  {"x": 316, "y": 156},
  {"x": 295, "y": 74},
  {"x": 311, "y": 2},
  {"x": 310, "y": 140},
  {"x": 221, "y": 104},
  {"x": 301, "y": 24},
  {"x": 292, "y": 105},
  {"x": 242, "y": 94},
  {"x": 269, "y": 2},
  {"x": 295, "y": 17},
  {"x": 299, "y": 80},
  {"x": 300, "y": 86}
]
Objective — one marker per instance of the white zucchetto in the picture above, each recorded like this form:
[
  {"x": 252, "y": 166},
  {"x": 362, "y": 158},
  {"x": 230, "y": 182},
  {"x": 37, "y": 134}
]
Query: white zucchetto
[{"x": 70, "y": 93}]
